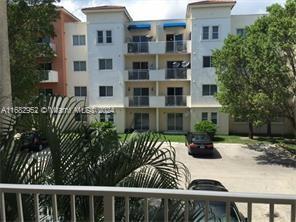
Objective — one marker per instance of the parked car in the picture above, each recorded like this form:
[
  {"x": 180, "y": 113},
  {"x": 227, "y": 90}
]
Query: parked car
[
  {"x": 217, "y": 210},
  {"x": 33, "y": 141},
  {"x": 199, "y": 143}
]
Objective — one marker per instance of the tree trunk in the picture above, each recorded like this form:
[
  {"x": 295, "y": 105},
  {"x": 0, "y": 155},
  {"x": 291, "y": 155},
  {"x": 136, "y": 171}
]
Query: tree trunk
[
  {"x": 268, "y": 132},
  {"x": 5, "y": 82},
  {"x": 251, "y": 130}
]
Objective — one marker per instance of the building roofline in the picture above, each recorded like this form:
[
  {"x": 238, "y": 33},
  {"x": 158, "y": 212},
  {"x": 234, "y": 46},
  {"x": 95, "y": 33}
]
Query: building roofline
[
  {"x": 210, "y": 3},
  {"x": 107, "y": 8},
  {"x": 68, "y": 13}
]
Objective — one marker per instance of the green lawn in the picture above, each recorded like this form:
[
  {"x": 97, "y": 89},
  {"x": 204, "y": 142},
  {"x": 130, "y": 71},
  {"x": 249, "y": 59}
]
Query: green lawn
[{"x": 284, "y": 142}]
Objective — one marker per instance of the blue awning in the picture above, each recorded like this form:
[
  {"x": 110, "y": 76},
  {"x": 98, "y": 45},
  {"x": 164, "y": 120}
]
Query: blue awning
[
  {"x": 141, "y": 26},
  {"x": 174, "y": 25}
]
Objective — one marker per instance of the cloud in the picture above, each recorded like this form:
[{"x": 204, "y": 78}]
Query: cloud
[{"x": 162, "y": 9}]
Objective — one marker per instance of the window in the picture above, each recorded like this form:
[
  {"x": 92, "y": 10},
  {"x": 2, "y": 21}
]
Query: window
[
  {"x": 205, "y": 32},
  {"x": 80, "y": 117},
  {"x": 80, "y": 91},
  {"x": 241, "y": 32},
  {"x": 105, "y": 64},
  {"x": 207, "y": 62},
  {"x": 209, "y": 90},
  {"x": 100, "y": 38},
  {"x": 78, "y": 39},
  {"x": 45, "y": 66},
  {"x": 204, "y": 116},
  {"x": 106, "y": 91},
  {"x": 215, "y": 32},
  {"x": 214, "y": 117},
  {"x": 79, "y": 66},
  {"x": 107, "y": 117},
  {"x": 46, "y": 92},
  {"x": 109, "y": 36}
]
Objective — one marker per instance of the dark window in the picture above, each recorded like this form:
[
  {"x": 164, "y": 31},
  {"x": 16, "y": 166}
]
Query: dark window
[
  {"x": 209, "y": 90},
  {"x": 105, "y": 64},
  {"x": 241, "y": 32},
  {"x": 106, "y": 91},
  {"x": 100, "y": 38},
  {"x": 214, "y": 117},
  {"x": 80, "y": 91},
  {"x": 215, "y": 32},
  {"x": 207, "y": 62},
  {"x": 204, "y": 116},
  {"x": 205, "y": 32},
  {"x": 107, "y": 117},
  {"x": 45, "y": 66},
  {"x": 46, "y": 92},
  {"x": 78, "y": 39},
  {"x": 79, "y": 66},
  {"x": 109, "y": 36}
]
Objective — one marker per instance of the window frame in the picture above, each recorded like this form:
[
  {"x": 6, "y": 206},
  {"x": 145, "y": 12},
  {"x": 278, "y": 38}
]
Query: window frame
[
  {"x": 204, "y": 114},
  {"x": 203, "y": 62},
  {"x": 105, "y": 64},
  {"x": 106, "y": 90},
  {"x": 79, "y": 63},
  {"x": 218, "y": 32},
  {"x": 203, "y": 33},
  {"x": 101, "y": 37},
  {"x": 214, "y": 120},
  {"x": 210, "y": 89},
  {"x": 108, "y": 37},
  {"x": 79, "y": 39},
  {"x": 80, "y": 91}
]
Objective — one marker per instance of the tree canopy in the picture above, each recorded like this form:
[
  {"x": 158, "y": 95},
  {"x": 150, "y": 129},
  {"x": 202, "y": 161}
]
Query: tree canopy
[{"x": 28, "y": 21}]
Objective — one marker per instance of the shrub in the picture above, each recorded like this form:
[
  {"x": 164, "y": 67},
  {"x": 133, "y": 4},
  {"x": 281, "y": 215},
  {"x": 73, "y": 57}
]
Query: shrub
[
  {"x": 102, "y": 125},
  {"x": 206, "y": 127}
]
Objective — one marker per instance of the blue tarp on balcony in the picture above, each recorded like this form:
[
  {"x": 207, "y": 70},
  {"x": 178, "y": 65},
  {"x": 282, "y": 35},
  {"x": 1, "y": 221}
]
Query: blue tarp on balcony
[
  {"x": 174, "y": 25},
  {"x": 142, "y": 26}
]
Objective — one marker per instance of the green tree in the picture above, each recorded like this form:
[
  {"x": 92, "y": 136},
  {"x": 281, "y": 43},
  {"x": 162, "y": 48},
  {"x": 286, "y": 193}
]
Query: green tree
[
  {"x": 234, "y": 78},
  {"x": 282, "y": 32},
  {"x": 28, "y": 21}
]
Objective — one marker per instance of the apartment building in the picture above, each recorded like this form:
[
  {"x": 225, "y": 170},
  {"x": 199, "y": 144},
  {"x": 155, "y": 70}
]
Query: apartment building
[
  {"x": 54, "y": 72},
  {"x": 154, "y": 75}
]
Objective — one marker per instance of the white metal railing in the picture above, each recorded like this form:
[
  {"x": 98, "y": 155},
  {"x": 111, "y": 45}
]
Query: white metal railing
[
  {"x": 138, "y": 74},
  {"x": 177, "y": 100},
  {"x": 176, "y": 73},
  {"x": 109, "y": 194},
  {"x": 176, "y": 46}
]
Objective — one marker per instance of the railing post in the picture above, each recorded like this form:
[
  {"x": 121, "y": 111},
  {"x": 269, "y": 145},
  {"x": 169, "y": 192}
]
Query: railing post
[
  {"x": 20, "y": 207},
  {"x": 2, "y": 206},
  {"x": 126, "y": 214},
  {"x": 146, "y": 210},
  {"x": 293, "y": 212},
  {"x": 166, "y": 210},
  {"x": 91, "y": 209},
  {"x": 271, "y": 212},
  {"x": 249, "y": 211},
  {"x": 109, "y": 214},
  {"x": 36, "y": 207},
  {"x": 73, "y": 208},
  {"x": 55, "y": 207}
]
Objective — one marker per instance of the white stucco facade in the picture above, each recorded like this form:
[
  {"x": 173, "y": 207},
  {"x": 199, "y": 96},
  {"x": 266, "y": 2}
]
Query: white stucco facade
[{"x": 147, "y": 97}]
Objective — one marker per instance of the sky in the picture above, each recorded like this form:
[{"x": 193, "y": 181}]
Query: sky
[{"x": 162, "y": 9}]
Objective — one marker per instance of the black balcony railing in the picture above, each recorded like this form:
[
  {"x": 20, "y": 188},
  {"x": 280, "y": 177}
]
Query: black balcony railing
[
  {"x": 176, "y": 73},
  {"x": 138, "y": 74},
  {"x": 43, "y": 75},
  {"x": 176, "y": 46},
  {"x": 139, "y": 101},
  {"x": 175, "y": 100},
  {"x": 137, "y": 47}
]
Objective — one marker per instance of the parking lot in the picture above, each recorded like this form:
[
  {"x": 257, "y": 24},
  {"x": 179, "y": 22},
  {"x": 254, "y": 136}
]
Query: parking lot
[{"x": 241, "y": 169}]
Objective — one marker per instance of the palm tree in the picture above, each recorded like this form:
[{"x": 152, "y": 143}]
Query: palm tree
[{"x": 79, "y": 155}]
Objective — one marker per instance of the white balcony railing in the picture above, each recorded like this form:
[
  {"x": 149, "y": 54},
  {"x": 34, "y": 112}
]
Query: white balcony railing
[
  {"x": 49, "y": 76},
  {"x": 109, "y": 195},
  {"x": 157, "y": 74}
]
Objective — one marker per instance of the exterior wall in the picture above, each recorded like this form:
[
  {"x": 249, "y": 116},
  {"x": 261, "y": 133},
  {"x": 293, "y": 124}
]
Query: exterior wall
[
  {"x": 129, "y": 117},
  {"x": 176, "y": 57},
  {"x": 165, "y": 84},
  {"x": 59, "y": 62},
  {"x": 277, "y": 128},
  {"x": 116, "y": 23},
  {"x": 242, "y": 21},
  {"x": 163, "y": 124},
  {"x": 75, "y": 53},
  {"x": 131, "y": 85},
  {"x": 223, "y": 119},
  {"x": 135, "y": 58}
]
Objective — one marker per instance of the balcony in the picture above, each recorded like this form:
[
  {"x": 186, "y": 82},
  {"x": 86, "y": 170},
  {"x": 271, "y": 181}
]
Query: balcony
[
  {"x": 176, "y": 46},
  {"x": 177, "y": 73},
  {"x": 48, "y": 76},
  {"x": 158, "y": 74},
  {"x": 138, "y": 74},
  {"x": 146, "y": 196},
  {"x": 137, "y": 47},
  {"x": 50, "y": 44},
  {"x": 158, "y": 47},
  {"x": 138, "y": 101},
  {"x": 176, "y": 100}
]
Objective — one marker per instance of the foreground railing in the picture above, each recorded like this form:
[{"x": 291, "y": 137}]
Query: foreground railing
[{"x": 109, "y": 194}]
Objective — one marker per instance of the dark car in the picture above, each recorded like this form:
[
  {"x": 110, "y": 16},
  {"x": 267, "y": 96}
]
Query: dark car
[
  {"x": 217, "y": 210},
  {"x": 33, "y": 141},
  {"x": 199, "y": 143}
]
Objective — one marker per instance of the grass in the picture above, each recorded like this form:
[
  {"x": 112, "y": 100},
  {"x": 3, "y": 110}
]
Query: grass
[{"x": 286, "y": 143}]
